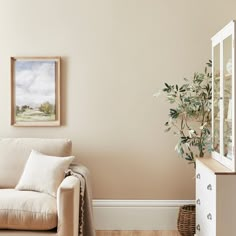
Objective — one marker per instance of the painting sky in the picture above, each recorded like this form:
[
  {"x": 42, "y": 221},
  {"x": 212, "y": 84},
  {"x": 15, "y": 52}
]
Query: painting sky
[{"x": 35, "y": 82}]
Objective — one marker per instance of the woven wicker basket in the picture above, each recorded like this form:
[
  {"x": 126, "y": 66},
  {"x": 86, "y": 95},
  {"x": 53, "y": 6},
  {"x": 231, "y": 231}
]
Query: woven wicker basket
[{"x": 186, "y": 220}]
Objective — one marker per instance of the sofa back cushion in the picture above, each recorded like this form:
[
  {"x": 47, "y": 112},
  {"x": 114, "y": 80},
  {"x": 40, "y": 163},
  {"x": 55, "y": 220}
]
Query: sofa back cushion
[{"x": 14, "y": 152}]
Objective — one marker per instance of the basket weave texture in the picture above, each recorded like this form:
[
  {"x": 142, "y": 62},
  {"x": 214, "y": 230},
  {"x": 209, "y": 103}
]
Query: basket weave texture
[{"x": 186, "y": 220}]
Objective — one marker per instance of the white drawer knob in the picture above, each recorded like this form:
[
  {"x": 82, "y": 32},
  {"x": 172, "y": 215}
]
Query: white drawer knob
[
  {"x": 198, "y": 176},
  {"x": 198, "y": 227},
  {"x": 198, "y": 201},
  {"x": 209, "y": 187},
  {"x": 209, "y": 216}
]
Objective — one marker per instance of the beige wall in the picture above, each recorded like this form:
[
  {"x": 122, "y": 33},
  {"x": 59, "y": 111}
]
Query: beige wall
[{"x": 116, "y": 54}]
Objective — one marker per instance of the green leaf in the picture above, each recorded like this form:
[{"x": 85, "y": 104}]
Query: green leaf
[
  {"x": 168, "y": 129},
  {"x": 174, "y": 113},
  {"x": 184, "y": 139},
  {"x": 167, "y": 85}
]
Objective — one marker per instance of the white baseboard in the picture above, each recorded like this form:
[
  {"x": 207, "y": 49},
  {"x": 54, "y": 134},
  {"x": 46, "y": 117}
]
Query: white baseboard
[{"x": 137, "y": 214}]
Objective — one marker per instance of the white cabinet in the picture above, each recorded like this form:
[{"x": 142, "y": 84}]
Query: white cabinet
[
  {"x": 216, "y": 176},
  {"x": 215, "y": 199},
  {"x": 223, "y": 96}
]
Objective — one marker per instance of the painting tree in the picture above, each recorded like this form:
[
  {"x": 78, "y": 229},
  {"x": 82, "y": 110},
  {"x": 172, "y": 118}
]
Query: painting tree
[
  {"x": 17, "y": 110},
  {"x": 24, "y": 108},
  {"x": 47, "y": 108}
]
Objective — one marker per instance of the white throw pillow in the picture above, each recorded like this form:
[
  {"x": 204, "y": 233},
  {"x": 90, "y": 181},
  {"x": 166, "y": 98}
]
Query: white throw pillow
[{"x": 43, "y": 173}]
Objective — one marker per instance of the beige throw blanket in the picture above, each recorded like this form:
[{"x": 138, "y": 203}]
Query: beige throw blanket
[{"x": 86, "y": 223}]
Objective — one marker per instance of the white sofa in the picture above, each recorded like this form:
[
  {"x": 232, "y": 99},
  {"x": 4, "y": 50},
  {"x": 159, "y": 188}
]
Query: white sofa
[{"x": 14, "y": 153}]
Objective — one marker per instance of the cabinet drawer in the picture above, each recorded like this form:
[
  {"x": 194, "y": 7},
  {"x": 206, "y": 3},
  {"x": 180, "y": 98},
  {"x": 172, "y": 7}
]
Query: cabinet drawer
[
  {"x": 205, "y": 188},
  {"x": 209, "y": 220},
  {"x": 204, "y": 175},
  {"x": 199, "y": 223},
  {"x": 205, "y": 201},
  {"x": 204, "y": 227},
  {"x": 205, "y": 221}
]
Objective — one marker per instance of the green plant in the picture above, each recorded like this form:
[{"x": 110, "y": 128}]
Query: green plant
[{"x": 190, "y": 118}]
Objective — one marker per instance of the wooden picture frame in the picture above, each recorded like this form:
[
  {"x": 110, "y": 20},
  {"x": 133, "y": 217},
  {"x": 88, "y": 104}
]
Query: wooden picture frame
[{"x": 35, "y": 91}]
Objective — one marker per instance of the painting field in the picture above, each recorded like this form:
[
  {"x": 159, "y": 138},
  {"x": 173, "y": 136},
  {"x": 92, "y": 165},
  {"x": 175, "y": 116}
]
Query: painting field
[
  {"x": 31, "y": 115},
  {"x": 45, "y": 112}
]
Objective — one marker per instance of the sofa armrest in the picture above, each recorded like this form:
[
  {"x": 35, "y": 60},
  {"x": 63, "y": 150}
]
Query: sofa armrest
[{"x": 68, "y": 207}]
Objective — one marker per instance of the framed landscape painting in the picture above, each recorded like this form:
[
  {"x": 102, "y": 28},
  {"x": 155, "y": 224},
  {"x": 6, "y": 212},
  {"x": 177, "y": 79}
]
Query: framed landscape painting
[{"x": 35, "y": 91}]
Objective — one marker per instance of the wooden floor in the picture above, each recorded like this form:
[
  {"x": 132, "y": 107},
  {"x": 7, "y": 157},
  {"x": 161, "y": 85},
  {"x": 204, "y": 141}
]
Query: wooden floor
[{"x": 136, "y": 233}]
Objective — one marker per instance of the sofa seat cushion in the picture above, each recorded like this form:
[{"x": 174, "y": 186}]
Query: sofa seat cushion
[{"x": 27, "y": 210}]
